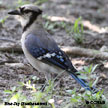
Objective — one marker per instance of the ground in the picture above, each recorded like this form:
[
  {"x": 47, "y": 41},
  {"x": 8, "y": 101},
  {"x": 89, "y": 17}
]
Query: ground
[{"x": 95, "y": 20}]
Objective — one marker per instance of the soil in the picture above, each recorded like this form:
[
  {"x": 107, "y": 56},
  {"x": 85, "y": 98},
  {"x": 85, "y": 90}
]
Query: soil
[{"x": 93, "y": 11}]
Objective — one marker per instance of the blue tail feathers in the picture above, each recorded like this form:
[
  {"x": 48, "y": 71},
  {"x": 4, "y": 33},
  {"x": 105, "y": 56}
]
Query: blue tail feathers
[{"x": 83, "y": 84}]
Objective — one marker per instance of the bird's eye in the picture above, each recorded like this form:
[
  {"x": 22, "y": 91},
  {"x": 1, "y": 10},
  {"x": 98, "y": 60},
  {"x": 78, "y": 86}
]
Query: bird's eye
[{"x": 21, "y": 9}]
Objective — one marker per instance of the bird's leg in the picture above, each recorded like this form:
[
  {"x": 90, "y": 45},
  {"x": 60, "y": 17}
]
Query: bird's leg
[
  {"x": 47, "y": 77},
  {"x": 43, "y": 87},
  {"x": 59, "y": 79},
  {"x": 58, "y": 82}
]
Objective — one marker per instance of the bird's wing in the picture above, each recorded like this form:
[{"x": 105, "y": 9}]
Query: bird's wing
[{"x": 47, "y": 51}]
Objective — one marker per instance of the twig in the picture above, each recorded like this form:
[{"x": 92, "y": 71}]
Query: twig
[
  {"x": 10, "y": 48},
  {"x": 85, "y": 23},
  {"x": 8, "y": 40},
  {"x": 85, "y": 52},
  {"x": 18, "y": 65},
  {"x": 69, "y": 50}
]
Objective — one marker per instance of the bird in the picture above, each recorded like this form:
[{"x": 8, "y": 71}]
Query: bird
[{"x": 39, "y": 47}]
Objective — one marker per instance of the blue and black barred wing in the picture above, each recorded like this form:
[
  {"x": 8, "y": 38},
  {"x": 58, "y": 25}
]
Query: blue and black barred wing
[{"x": 47, "y": 52}]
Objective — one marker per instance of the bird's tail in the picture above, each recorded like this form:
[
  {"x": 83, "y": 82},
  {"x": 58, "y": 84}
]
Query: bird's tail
[{"x": 84, "y": 83}]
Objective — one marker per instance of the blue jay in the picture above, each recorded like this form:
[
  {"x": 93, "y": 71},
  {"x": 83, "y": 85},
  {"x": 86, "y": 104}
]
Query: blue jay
[{"x": 40, "y": 49}]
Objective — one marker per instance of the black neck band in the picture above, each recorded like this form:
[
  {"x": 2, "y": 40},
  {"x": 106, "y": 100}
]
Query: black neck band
[{"x": 32, "y": 19}]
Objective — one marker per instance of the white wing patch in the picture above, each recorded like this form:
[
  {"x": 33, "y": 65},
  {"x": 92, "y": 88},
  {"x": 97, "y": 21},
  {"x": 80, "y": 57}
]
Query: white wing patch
[
  {"x": 39, "y": 58},
  {"x": 48, "y": 55},
  {"x": 53, "y": 54}
]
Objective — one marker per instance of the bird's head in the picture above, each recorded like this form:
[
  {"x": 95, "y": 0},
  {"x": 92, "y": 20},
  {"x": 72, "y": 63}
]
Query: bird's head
[{"x": 27, "y": 14}]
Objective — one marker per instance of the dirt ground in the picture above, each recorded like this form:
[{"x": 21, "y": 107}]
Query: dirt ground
[{"x": 95, "y": 12}]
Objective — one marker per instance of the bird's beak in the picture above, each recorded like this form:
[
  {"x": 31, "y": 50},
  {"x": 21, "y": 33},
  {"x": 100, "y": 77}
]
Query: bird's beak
[{"x": 14, "y": 12}]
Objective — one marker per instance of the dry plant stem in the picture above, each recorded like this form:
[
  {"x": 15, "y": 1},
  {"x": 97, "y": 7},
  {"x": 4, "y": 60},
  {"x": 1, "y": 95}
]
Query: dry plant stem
[
  {"x": 18, "y": 65},
  {"x": 69, "y": 50},
  {"x": 10, "y": 48},
  {"x": 85, "y": 52}
]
